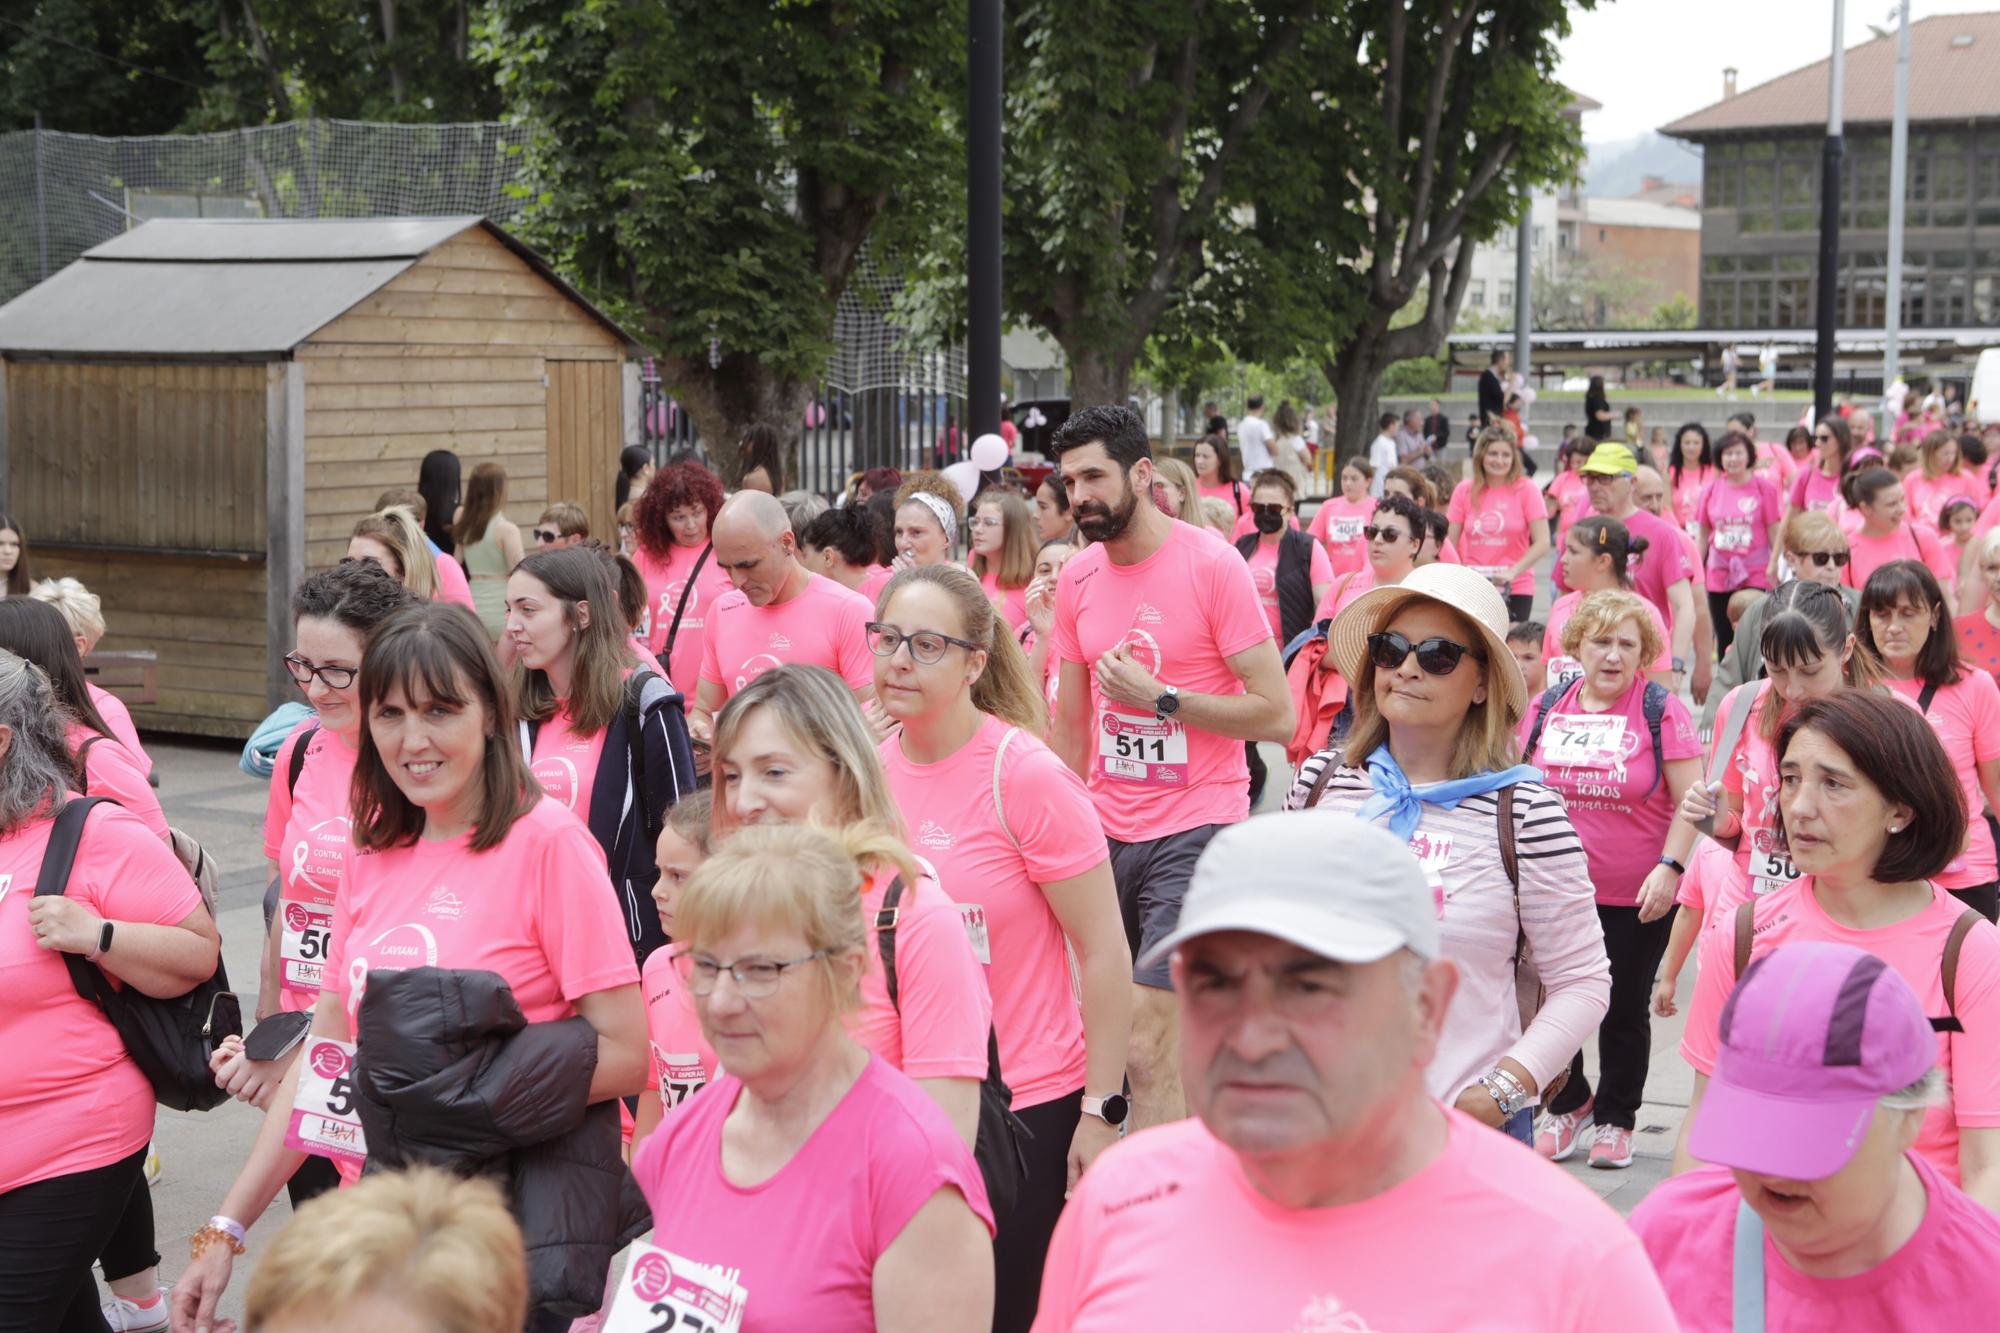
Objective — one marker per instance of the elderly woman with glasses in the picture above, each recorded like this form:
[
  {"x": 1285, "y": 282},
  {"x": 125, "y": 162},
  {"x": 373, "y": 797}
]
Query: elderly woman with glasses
[{"x": 1432, "y": 755}]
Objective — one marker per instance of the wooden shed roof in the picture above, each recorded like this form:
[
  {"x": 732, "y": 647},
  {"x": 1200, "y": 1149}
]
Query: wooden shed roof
[{"x": 232, "y": 287}]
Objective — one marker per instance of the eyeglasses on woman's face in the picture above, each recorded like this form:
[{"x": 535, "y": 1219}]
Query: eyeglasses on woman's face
[
  {"x": 927, "y": 646},
  {"x": 333, "y": 677},
  {"x": 755, "y": 978},
  {"x": 1437, "y": 656}
]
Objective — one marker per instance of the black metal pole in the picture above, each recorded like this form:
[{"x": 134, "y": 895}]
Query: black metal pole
[
  {"x": 982, "y": 239},
  {"x": 1827, "y": 303}
]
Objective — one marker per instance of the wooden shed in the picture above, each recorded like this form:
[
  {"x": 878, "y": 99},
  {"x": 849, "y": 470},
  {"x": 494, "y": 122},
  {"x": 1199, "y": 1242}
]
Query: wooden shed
[{"x": 195, "y": 413}]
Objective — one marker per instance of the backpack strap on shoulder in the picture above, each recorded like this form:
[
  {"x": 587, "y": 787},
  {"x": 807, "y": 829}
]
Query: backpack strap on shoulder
[
  {"x": 1542, "y": 707},
  {"x": 1746, "y": 928},
  {"x": 297, "y": 764},
  {"x": 885, "y": 939},
  {"x": 1953, "y": 945}
]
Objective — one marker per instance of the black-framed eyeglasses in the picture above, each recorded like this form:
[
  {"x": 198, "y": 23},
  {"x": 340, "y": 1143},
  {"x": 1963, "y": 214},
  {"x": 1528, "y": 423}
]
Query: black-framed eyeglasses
[
  {"x": 1437, "y": 656},
  {"x": 755, "y": 978},
  {"x": 927, "y": 646},
  {"x": 546, "y": 534},
  {"x": 1384, "y": 533},
  {"x": 333, "y": 677},
  {"x": 1820, "y": 558}
]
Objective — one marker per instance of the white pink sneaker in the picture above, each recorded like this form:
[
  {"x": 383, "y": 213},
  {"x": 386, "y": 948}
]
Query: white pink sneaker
[
  {"x": 1611, "y": 1150},
  {"x": 1556, "y": 1136},
  {"x": 131, "y": 1317}
]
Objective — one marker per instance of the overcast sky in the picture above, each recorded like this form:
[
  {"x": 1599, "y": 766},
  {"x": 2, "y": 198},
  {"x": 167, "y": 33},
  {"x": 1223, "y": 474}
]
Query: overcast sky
[{"x": 1652, "y": 61}]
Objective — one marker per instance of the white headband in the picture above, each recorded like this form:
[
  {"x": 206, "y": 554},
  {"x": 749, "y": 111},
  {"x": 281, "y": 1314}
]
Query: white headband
[{"x": 946, "y": 519}]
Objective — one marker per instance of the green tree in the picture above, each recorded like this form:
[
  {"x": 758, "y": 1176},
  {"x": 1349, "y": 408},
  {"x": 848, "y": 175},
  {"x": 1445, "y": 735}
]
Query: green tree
[
  {"x": 99, "y": 66},
  {"x": 711, "y": 171}
]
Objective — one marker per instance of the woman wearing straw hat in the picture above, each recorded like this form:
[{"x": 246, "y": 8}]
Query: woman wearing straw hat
[{"x": 1432, "y": 754}]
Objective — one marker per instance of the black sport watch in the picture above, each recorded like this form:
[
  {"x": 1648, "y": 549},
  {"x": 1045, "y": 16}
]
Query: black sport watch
[{"x": 1168, "y": 703}]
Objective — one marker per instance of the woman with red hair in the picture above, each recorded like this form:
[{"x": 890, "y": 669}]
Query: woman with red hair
[{"x": 682, "y": 577}]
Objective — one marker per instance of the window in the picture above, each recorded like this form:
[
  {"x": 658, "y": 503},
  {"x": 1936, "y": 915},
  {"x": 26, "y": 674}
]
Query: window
[
  {"x": 1951, "y": 184},
  {"x": 1759, "y": 194},
  {"x": 1475, "y": 295},
  {"x": 1798, "y": 181},
  {"x": 1720, "y": 182},
  {"x": 1506, "y": 301}
]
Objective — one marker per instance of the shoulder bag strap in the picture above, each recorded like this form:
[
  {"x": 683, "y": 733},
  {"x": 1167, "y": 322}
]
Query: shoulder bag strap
[
  {"x": 1509, "y": 859},
  {"x": 82, "y": 768},
  {"x": 1954, "y": 943},
  {"x": 674, "y": 630},
  {"x": 1325, "y": 776},
  {"x": 1746, "y": 1285},
  {"x": 298, "y": 761},
  {"x": 1746, "y": 928},
  {"x": 1732, "y": 731},
  {"x": 885, "y": 940},
  {"x": 635, "y": 737},
  {"x": 57, "y": 860},
  {"x": 527, "y": 734},
  {"x": 1924, "y": 697},
  {"x": 999, "y": 804}
]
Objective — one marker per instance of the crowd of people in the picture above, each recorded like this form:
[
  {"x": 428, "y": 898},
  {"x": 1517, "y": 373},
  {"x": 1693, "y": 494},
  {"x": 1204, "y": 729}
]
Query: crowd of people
[{"x": 810, "y": 894}]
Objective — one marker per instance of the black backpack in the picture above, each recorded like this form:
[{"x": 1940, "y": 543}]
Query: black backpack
[
  {"x": 1654, "y": 705},
  {"x": 1003, "y": 1162},
  {"x": 170, "y": 1040}
]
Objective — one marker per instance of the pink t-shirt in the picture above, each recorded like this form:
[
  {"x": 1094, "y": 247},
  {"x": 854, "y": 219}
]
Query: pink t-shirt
[
  {"x": 1264, "y": 577},
  {"x": 1011, "y": 603},
  {"x": 1813, "y": 489},
  {"x": 119, "y": 718},
  {"x": 1572, "y": 499},
  {"x": 1235, "y": 492},
  {"x": 566, "y": 763},
  {"x": 1738, "y": 520},
  {"x": 680, "y": 1061},
  {"x": 873, "y": 583},
  {"x": 1941, "y": 1277},
  {"x": 1051, "y": 834},
  {"x": 1664, "y": 562},
  {"x": 1561, "y": 663},
  {"x": 1686, "y": 493},
  {"x": 1713, "y": 885},
  {"x": 110, "y": 769},
  {"x": 1906, "y": 541},
  {"x": 1776, "y": 462},
  {"x": 1165, "y": 1232},
  {"x": 946, "y": 1010},
  {"x": 1966, "y": 717},
  {"x": 1344, "y": 591},
  {"x": 1496, "y": 527},
  {"x": 824, "y": 625},
  {"x": 1183, "y": 610},
  {"x": 72, "y": 1100},
  {"x": 665, "y": 581},
  {"x": 805, "y": 1242},
  {"x": 306, "y": 833},
  {"x": 538, "y": 910},
  {"x": 1752, "y": 774},
  {"x": 1337, "y": 523},
  {"x": 1928, "y": 496},
  {"x": 1619, "y": 801},
  {"x": 452, "y": 583},
  {"x": 1915, "y": 948}
]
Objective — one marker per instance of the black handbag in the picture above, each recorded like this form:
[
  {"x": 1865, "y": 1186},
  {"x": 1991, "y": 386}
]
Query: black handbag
[
  {"x": 170, "y": 1040},
  {"x": 997, "y": 1145}
]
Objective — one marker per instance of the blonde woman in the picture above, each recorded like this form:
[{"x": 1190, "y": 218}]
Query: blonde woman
[
  {"x": 83, "y": 611},
  {"x": 791, "y": 747},
  {"x": 1500, "y": 522},
  {"x": 392, "y": 539},
  {"x": 1003, "y": 552},
  {"x": 1176, "y": 491},
  {"x": 815, "y": 1180}
]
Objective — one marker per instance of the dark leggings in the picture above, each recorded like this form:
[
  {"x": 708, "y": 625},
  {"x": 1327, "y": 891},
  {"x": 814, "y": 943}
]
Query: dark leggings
[
  {"x": 1718, "y": 611},
  {"x": 1022, "y": 1244},
  {"x": 50, "y": 1233},
  {"x": 315, "y": 1176},
  {"x": 1981, "y": 898},
  {"x": 1625, "y": 1038},
  {"x": 131, "y": 1248},
  {"x": 1520, "y": 605},
  {"x": 1259, "y": 775}
]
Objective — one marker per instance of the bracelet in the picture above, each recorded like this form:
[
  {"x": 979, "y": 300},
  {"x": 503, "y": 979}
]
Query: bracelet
[
  {"x": 1679, "y": 869},
  {"x": 226, "y": 1230},
  {"x": 1507, "y": 1091}
]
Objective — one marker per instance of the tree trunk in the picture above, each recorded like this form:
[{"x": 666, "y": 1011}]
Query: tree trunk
[
  {"x": 1097, "y": 378},
  {"x": 398, "y": 83},
  {"x": 726, "y": 401},
  {"x": 1356, "y": 375}
]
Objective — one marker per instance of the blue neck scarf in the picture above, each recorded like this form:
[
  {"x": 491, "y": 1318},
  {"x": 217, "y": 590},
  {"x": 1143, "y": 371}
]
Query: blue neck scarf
[{"x": 1403, "y": 803}]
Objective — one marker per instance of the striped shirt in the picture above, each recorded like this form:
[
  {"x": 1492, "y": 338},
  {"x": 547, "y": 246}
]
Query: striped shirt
[{"x": 1478, "y": 926}]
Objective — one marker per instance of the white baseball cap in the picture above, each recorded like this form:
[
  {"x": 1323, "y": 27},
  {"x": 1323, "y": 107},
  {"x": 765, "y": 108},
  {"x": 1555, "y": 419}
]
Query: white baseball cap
[{"x": 1326, "y": 882}]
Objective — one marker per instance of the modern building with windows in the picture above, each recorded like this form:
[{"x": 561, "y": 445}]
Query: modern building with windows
[{"x": 1761, "y": 187}]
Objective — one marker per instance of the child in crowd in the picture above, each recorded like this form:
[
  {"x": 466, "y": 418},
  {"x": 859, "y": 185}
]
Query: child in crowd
[
  {"x": 1525, "y": 642},
  {"x": 1710, "y": 891},
  {"x": 681, "y": 1062}
]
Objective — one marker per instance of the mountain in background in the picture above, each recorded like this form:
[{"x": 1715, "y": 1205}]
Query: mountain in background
[{"x": 1619, "y": 167}]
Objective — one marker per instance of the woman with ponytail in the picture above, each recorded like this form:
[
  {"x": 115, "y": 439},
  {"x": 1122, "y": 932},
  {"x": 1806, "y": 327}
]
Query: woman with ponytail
[
  {"x": 1004, "y": 819},
  {"x": 1596, "y": 557}
]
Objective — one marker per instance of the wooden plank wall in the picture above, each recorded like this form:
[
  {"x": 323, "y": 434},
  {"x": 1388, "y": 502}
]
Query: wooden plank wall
[
  {"x": 451, "y": 354},
  {"x": 205, "y": 619},
  {"x": 164, "y": 456},
  {"x": 585, "y": 434}
]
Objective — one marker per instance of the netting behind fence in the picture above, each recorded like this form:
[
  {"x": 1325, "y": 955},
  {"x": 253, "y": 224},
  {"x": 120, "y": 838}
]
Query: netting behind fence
[{"x": 61, "y": 194}]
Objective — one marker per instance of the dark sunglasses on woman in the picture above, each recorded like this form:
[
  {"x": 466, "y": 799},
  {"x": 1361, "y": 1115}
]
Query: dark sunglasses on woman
[
  {"x": 1820, "y": 558},
  {"x": 1384, "y": 533},
  {"x": 1435, "y": 656}
]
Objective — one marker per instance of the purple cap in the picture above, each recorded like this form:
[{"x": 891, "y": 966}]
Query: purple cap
[{"x": 1811, "y": 1038}]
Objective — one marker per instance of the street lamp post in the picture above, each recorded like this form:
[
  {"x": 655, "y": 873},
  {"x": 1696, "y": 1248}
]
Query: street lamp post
[
  {"x": 982, "y": 230},
  {"x": 1829, "y": 227}
]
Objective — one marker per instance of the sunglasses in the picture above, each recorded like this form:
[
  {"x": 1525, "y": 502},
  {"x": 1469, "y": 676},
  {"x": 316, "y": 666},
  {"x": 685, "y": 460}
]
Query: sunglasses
[
  {"x": 546, "y": 534},
  {"x": 1384, "y": 533},
  {"x": 1821, "y": 558},
  {"x": 1257, "y": 508},
  {"x": 1435, "y": 657}
]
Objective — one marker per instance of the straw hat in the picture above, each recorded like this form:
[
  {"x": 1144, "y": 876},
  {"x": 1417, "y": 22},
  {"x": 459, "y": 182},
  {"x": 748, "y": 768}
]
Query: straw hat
[{"x": 1455, "y": 586}]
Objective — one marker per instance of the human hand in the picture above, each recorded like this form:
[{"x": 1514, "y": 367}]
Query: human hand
[
  {"x": 1121, "y": 679},
  {"x": 64, "y": 924},
  {"x": 904, "y": 560},
  {"x": 248, "y": 1081},
  {"x": 200, "y": 1289},
  {"x": 1092, "y": 1137},
  {"x": 1656, "y": 893},
  {"x": 1041, "y": 599},
  {"x": 880, "y": 725},
  {"x": 1702, "y": 677},
  {"x": 1698, "y": 804},
  {"x": 1663, "y": 998},
  {"x": 1478, "y": 1103}
]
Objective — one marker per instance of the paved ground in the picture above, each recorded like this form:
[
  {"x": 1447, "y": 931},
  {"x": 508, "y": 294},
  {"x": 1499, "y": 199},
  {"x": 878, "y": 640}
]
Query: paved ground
[{"x": 206, "y": 794}]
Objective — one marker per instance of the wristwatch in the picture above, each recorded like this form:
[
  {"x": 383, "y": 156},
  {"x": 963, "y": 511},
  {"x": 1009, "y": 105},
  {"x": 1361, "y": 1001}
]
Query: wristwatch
[
  {"x": 1111, "y": 1109},
  {"x": 1678, "y": 868},
  {"x": 1169, "y": 702},
  {"x": 103, "y": 943},
  {"x": 1680, "y": 664}
]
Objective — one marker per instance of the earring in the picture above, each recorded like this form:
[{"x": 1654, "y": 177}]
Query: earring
[{"x": 1895, "y": 828}]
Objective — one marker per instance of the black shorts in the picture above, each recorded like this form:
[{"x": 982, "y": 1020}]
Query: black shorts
[{"x": 1152, "y": 880}]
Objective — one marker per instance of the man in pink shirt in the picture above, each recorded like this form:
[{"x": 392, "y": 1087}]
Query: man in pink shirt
[
  {"x": 1814, "y": 1202},
  {"x": 778, "y": 612},
  {"x": 1167, "y": 667},
  {"x": 1319, "y": 1186}
]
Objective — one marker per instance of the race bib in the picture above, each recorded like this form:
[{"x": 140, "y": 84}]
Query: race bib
[
  {"x": 1771, "y": 866},
  {"x": 1152, "y": 751},
  {"x": 1562, "y": 670},
  {"x": 1584, "y": 740},
  {"x": 974, "y": 917},
  {"x": 664, "y": 1293},
  {"x": 326, "y": 1119},
  {"x": 1491, "y": 573},
  {"x": 1433, "y": 855},
  {"x": 302, "y": 940},
  {"x": 1734, "y": 537},
  {"x": 1342, "y": 530},
  {"x": 681, "y": 1076}
]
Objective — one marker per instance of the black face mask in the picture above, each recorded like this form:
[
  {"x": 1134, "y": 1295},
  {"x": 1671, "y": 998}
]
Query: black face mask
[{"x": 1268, "y": 522}]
